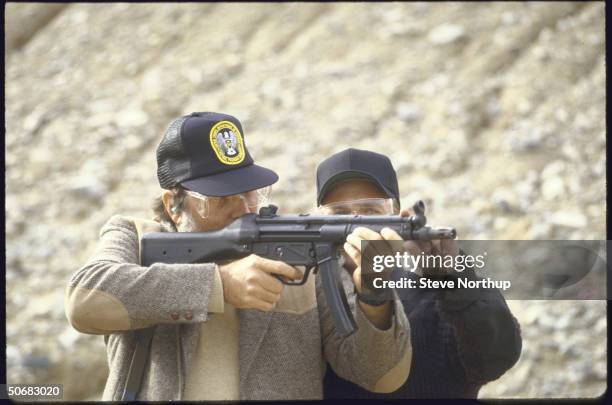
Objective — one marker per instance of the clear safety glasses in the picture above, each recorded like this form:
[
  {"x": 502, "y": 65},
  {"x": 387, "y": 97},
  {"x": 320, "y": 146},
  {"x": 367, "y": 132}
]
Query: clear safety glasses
[
  {"x": 209, "y": 205},
  {"x": 364, "y": 206}
]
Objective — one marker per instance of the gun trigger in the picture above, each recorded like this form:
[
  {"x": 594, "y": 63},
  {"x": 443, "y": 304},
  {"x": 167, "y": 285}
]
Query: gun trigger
[{"x": 300, "y": 282}]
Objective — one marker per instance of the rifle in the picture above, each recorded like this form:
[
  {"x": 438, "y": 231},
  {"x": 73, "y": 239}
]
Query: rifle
[
  {"x": 312, "y": 241},
  {"x": 299, "y": 240}
]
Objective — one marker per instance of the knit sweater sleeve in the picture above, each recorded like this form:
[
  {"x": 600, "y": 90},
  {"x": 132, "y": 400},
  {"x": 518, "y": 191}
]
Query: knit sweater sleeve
[
  {"x": 112, "y": 292},
  {"x": 376, "y": 360}
]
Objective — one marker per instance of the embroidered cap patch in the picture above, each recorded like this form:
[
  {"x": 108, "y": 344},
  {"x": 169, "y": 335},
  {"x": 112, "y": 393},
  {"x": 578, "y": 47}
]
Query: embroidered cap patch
[{"x": 226, "y": 141}]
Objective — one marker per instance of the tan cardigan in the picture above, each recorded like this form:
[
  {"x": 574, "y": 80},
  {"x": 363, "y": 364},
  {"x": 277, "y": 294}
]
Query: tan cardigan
[{"x": 281, "y": 354}]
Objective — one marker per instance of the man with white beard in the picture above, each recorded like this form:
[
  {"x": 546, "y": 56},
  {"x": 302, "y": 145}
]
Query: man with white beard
[{"x": 226, "y": 330}]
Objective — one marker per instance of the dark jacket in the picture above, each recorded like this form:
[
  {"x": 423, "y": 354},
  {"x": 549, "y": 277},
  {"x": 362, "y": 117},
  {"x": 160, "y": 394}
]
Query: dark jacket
[{"x": 458, "y": 344}]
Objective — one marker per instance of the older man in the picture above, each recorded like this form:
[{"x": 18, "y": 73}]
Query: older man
[
  {"x": 226, "y": 330},
  {"x": 458, "y": 344}
]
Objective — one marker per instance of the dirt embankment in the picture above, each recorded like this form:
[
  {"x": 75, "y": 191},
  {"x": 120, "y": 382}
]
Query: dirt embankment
[{"x": 494, "y": 114}]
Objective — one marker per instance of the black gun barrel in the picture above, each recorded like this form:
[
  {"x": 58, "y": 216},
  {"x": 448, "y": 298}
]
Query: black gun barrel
[
  {"x": 299, "y": 240},
  {"x": 428, "y": 233}
]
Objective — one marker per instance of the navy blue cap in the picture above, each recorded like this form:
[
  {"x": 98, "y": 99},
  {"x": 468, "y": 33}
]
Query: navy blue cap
[
  {"x": 357, "y": 163},
  {"x": 206, "y": 152}
]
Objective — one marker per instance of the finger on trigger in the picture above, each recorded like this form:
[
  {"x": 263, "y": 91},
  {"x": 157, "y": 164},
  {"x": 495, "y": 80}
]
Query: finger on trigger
[{"x": 280, "y": 268}]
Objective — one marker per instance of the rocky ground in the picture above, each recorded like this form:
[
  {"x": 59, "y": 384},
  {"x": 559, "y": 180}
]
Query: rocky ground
[{"x": 494, "y": 114}]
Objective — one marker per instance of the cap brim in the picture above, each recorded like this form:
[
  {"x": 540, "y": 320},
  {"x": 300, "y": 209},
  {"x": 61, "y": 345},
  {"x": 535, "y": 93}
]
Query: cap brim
[
  {"x": 349, "y": 175},
  {"x": 235, "y": 181}
]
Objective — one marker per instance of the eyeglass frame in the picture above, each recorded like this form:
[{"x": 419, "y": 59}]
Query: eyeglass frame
[
  {"x": 203, "y": 211},
  {"x": 391, "y": 202}
]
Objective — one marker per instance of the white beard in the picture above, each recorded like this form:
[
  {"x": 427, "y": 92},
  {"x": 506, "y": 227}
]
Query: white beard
[{"x": 187, "y": 223}]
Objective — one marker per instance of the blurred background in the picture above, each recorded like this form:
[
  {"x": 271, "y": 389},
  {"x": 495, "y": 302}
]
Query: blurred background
[{"x": 493, "y": 114}]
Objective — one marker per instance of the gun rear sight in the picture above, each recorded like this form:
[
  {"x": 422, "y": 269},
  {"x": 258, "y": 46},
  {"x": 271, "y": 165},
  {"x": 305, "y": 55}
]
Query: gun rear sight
[{"x": 418, "y": 218}]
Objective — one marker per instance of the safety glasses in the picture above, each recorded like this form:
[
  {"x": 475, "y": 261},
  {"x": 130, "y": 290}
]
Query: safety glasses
[
  {"x": 364, "y": 206},
  {"x": 209, "y": 205}
]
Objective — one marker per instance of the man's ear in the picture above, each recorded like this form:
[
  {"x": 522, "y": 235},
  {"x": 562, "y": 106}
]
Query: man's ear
[{"x": 171, "y": 208}]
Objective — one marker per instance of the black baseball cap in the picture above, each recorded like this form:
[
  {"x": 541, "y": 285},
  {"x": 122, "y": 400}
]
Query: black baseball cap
[
  {"x": 357, "y": 163},
  {"x": 205, "y": 152}
]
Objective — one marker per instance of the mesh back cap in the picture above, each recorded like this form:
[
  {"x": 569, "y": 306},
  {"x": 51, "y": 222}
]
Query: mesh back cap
[{"x": 206, "y": 152}]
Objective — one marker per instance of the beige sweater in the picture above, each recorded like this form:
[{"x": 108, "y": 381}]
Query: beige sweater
[{"x": 214, "y": 373}]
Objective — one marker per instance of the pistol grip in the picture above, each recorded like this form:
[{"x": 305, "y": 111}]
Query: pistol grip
[{"x": 336, "y": 298}]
